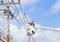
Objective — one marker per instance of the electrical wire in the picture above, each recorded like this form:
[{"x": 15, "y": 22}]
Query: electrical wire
[
  {"x": 18, "y": 13},
  {"x": 16, "y": 9},
  {"x": 33, "y": 39},
  {"x": 21, "y": 10},
  {"x": 2, "y": 25},
  {"x": 1, "y": 34},
  {"x": 20, "y": 7},
  {"x": 20, "y": 22},
  {"x": 1, "y": 29},
  {"x": 24, "y": 17},
  {"x": 16, "y": 18}
]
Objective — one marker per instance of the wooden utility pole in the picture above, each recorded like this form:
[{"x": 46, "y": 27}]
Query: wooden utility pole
[
  {"x": 28, "y": 33},
  {"x": 28, "y": 38},
  {"x": 8, "y": 18}
]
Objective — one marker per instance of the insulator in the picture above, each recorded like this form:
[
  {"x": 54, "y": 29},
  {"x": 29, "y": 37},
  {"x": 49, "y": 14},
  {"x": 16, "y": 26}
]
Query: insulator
[
  {"x": 19, "y": 1},
  {"x": 7, "y": 6},
  {"x": 12, "y": 1},
  {"x": 11, "y": 14},
  {"x": 2, "y": 1},
  {"x": 5, "y": 11},
  {"x": 33, "y": 32}
]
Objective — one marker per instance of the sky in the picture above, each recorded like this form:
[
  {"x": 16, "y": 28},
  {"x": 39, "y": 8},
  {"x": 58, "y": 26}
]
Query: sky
[
  {"x": 43, "y": 12},
  {"x": 47, "y": 12}
]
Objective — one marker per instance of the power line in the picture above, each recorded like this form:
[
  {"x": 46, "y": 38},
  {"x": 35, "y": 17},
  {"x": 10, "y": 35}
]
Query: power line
[
  {"x": 20, "y": 6},
  {"x": 18, "y": 13},
  {"x": 20, "y": 22},
  {"x": 16, "y": 9},
  {"x": 33, "y": 39},
  {"x": 17, "y": 20},
  {"x": 24, "y": 17},
  {"x": 1, "y": 29},
  {"x": 21, "y": 10},
  {"x": 8, "y": 18}
]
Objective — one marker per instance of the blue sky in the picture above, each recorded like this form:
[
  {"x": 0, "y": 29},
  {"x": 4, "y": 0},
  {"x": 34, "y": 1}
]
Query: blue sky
[
  {"x": 40, "y": 13},
  {"x": 43, "y": 12}
]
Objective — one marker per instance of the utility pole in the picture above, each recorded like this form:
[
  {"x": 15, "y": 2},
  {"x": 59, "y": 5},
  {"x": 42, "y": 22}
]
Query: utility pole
[
  {"x": 28, "y": 38},
  {"x": 8, "y": 18},
  {"x": 28, "y": 34}
]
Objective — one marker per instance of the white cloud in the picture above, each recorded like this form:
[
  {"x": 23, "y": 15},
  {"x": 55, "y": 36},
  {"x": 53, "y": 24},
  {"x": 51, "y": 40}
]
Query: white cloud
[
  {"x": 3, "y": 24},
  {"x": 56, "y": 7},
  {"x": 25, "y": 2},
  {"x": 23, "y": 19},
  {"x": 34, "y": 8},
  {"x": 41, "y": 35},
  {"x": 19, "y": 35}
]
